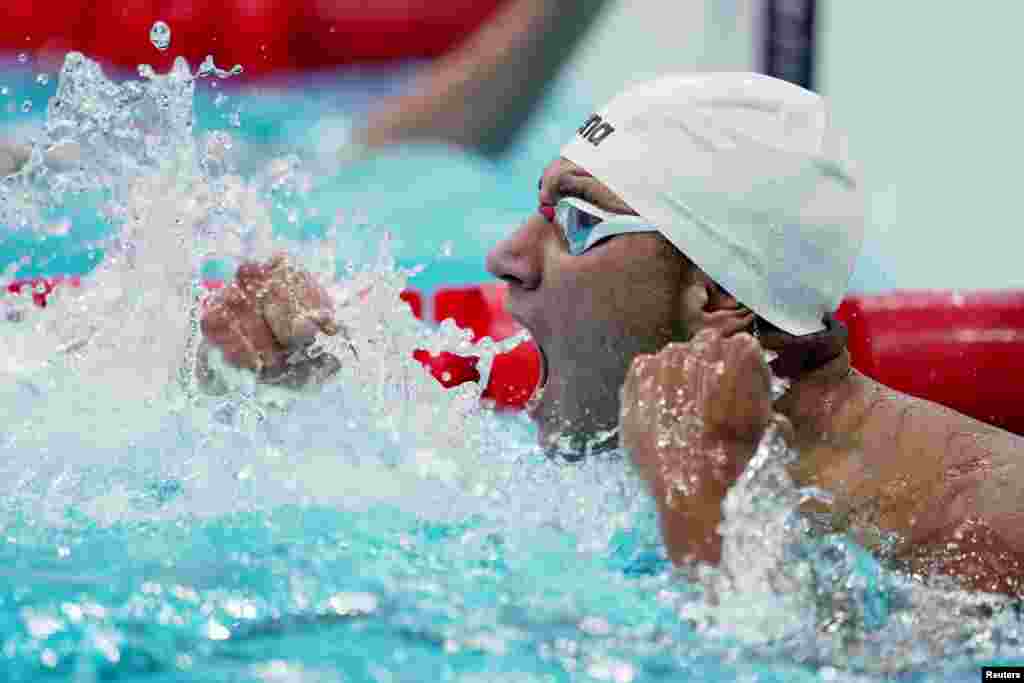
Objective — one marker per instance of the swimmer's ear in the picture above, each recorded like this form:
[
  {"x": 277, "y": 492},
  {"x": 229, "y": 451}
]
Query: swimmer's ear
[{"x": 706, "y": 305}]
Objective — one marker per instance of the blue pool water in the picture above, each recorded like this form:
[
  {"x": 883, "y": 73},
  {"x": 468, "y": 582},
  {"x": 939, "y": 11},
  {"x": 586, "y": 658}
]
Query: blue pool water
[{"x": 383, "y": 529}]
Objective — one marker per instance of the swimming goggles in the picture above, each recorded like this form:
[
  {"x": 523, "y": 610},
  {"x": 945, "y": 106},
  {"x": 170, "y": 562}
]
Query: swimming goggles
[{"x": 584, "y": 224}]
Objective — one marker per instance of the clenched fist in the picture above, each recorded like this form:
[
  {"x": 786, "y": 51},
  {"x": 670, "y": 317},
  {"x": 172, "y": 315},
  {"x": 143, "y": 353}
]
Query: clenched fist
[
  {"x": 691, "y": 419},
  {"x": 268, "y": 313}
]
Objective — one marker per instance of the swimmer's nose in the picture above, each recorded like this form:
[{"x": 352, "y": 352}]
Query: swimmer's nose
[{"x": 517, "y": 259}]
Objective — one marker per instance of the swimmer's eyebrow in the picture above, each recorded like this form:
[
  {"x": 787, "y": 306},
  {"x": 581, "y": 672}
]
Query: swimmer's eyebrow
[{"x": 579, "y": 172}]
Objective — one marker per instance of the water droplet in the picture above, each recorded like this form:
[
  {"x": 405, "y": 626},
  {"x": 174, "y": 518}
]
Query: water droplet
[
  {"x": 216, "y": 631},
  {"x": 22, "y": 58},
  {"x": 447, "y": 249},
  {"x": 43, "y": 79},
  {"x": 5, "y": 91},
  {"x": 220, "y": 99},
  {"x": 26, "y": 106},
  {"x": 160, "y": 35}
]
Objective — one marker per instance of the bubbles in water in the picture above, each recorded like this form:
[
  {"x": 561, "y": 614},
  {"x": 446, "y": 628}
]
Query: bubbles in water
[
  {"x": 43, "y": 79},
  {"x": 26, "y": 106},
  {"x": 160, "y": 35},
  {"x": 5, "y": 91},
  {"x": 23, "y": 58}
]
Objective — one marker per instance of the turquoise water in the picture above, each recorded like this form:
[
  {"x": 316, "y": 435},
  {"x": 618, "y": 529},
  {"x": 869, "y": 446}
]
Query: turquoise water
[{"x": 382, "y": 529}]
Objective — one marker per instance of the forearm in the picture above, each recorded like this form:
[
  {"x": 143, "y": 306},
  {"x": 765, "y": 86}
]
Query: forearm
[
  {"x": 973, "y": 553},
  {"x": 689, "y": 499},
  {"x": 482, "y": 93},
  {"x": 690, "y": 535}
]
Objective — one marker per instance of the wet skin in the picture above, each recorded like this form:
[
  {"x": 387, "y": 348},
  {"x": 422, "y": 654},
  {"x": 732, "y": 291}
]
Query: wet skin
[
  {"x": 950, "y": 488},
  {"x": 633, "y": 321}
]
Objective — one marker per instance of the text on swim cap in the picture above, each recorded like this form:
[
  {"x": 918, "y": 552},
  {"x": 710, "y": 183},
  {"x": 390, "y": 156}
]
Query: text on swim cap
[{"x": 594, "y": 130}]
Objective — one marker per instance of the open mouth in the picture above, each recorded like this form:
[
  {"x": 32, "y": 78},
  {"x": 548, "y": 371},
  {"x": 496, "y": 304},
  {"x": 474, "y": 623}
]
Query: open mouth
[{"x": 533, "y": 402}]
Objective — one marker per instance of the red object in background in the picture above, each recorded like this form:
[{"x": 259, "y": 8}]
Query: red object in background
[
  {"x": 261, "y": 35},
  {"x": 514, "y": 375},
  {"x": 447, "y": 368},
  {"x": 345, "y": 31},
  {"x": 257, "y": 34},
  {"x": 963, "y": 350},
  {"x": 38, "y": 28},
  {"x": 119, "y": 31},
  {"x": 415, "y": 301},
  {"x": 42, "y": 286}
]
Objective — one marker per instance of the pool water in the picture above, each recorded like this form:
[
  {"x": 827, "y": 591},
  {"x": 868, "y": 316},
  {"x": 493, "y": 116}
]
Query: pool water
[{"x": 381, "y": 529}]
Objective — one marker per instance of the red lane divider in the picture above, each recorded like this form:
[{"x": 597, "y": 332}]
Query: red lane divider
[
  {"x": 261, "y": 35},
  {"x": 333, "y": 32},
  {"x": 41, "y": 287},
  {"x": 963, "y": 350},
  {"x": 514, "y": 375}
]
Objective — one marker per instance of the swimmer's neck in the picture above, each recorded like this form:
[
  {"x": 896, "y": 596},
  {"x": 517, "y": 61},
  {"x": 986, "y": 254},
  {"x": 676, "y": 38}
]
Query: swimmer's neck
[
  {"x": 824, "y": 386},
  {"x": 817, "y": 401}
]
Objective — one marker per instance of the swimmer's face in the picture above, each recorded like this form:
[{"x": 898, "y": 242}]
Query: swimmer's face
[{"x": 590, "y": 314}]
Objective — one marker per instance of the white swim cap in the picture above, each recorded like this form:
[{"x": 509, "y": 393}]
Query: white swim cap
[{"x": 744, "y": 174}]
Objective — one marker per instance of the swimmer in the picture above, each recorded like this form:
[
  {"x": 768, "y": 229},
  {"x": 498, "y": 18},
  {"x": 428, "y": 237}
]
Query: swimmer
[{"x": 691, "y": 224}]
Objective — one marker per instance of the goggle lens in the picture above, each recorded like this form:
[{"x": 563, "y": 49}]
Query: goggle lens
[{"x": 584, "y": 225}]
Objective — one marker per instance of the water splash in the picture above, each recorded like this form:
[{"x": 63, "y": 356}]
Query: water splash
[
  {"x": 465, "y": 541},
  {"x": 160, "y": 35},
  {"x": 176, "y": 202},
  {"x": 208, "y": 68}
]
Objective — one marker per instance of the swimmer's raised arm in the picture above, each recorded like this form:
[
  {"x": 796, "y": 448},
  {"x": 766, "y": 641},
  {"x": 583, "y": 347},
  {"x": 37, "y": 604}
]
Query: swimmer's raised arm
[
  {"x": 482, "y": 93},
  {"x": 262, "y": 320},
  {"x": 691, "y": 419},
  {"x": 947, "y": 488}
]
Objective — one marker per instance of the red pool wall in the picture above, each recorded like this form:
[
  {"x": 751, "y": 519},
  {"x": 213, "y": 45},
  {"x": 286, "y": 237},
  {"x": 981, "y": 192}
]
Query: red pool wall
[
  {"x": 261, "y": 35},
  {"x": 964, "y": 350}
]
